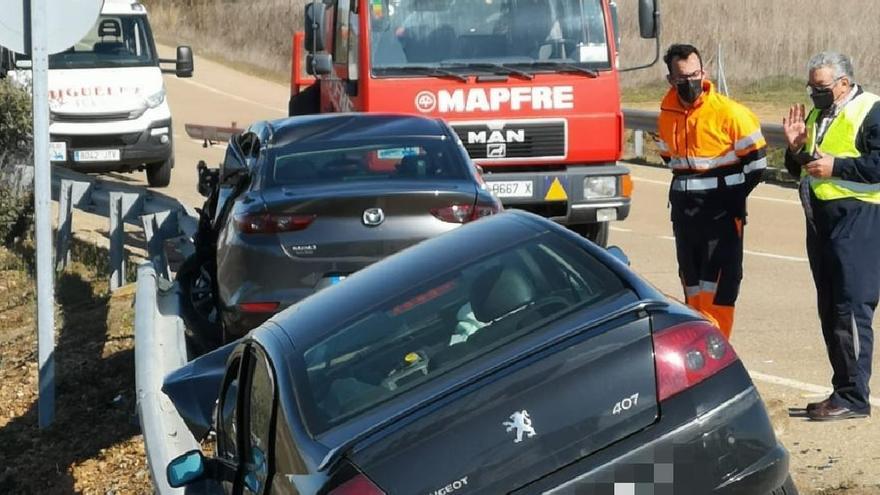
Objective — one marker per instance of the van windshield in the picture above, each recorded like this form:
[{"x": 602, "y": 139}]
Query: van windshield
[{"x": 114, "y": 41}]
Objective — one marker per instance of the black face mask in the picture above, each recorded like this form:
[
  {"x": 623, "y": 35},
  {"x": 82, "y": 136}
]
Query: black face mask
[
  {"x": 822, "y": 99},
  {"x": 689, "y": 90}
]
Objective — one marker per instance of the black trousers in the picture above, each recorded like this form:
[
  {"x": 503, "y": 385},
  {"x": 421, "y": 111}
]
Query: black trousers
[
  {"x": 709, "y": 249},
  {"x": 843, "y": 244}
]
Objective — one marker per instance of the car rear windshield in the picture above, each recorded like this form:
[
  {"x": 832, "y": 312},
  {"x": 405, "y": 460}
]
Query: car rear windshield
[
  {"x": 423, "y": 159},
  {"x": 448, "y": 321}
]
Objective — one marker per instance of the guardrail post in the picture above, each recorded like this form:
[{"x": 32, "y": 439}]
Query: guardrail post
[
  {"x": 122, "y": 205},
  {"x": 639, "y": 143},
  {"x": 153, "y": 231},
  {"x": 72, "y": 194}
]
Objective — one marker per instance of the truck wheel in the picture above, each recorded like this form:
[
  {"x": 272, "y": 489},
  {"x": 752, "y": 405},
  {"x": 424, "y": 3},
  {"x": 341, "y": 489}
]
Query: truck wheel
[
  {"x": 596, "y": 232},
  {"x": 159, "y": 174},
  {"x": 787, "y": 488}
]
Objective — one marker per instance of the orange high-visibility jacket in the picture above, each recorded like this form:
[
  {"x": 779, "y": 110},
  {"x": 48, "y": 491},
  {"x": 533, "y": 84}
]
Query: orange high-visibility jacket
[{"x": 715, "y": 144}]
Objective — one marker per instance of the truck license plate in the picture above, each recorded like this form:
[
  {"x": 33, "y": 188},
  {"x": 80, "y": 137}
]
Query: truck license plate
[
  {"x": 96, "y": 156},
  {"x": 511, "y": 189}
]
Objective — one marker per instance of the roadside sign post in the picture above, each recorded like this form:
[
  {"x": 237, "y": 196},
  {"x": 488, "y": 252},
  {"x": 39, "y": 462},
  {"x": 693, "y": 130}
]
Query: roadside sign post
[
  {"x": 31, "y": 27},
  {"x": 42, "y": 210}
]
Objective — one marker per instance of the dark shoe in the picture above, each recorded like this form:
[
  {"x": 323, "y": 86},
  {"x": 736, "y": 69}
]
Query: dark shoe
[
  {"x": 814, "y": 405},
  {"x": 830, "y": 412}
]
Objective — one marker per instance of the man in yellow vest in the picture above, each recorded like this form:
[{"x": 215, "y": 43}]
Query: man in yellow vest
[{"x": 835, "y": 149}]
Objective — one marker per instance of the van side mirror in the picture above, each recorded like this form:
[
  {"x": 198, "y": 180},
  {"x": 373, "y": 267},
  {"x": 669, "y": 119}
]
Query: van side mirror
[
  {"x": 184, "y": 64},
  {"x": 319, "y": 64},
  {"x": 314, "y": 26},
  {"x": 5, "y": 62},
  {"x": 649, "y": 19}
]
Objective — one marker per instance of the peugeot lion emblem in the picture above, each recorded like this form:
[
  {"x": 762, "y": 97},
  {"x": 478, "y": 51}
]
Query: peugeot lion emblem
[
  {"x": 373, "y": 217},
  {"x": 521, "y": 423}
]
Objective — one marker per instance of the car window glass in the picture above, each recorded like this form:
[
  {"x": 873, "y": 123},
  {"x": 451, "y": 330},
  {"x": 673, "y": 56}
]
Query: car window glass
[
  {"x": 260, "y": 410},
  {"x": 450, "y": 320},
  {"x": 227, "y": 434},
  {"x": 404, "y": 160}
]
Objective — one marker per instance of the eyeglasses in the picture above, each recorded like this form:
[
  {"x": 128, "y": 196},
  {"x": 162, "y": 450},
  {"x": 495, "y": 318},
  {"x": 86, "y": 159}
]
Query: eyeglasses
[
  {"x": 686, "y": 77},
  {"x": 822, "y": 89}
]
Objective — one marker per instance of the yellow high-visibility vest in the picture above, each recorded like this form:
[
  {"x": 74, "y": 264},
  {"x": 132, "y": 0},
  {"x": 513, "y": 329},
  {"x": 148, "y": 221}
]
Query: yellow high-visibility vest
[{"x": 840, "y": 142}]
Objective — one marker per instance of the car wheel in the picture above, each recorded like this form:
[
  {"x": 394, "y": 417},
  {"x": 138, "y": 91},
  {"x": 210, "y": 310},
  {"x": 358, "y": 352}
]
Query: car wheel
[
  {"x": 159, "y": 174},
  {"x": 787, "y": 488},
  {"x": 198, "y": 304},
  {"x": 596, "y": 232}
]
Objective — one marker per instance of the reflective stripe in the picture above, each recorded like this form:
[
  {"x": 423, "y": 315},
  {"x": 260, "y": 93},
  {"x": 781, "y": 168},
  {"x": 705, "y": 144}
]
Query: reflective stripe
[
  {"x": 855, "y": 332},
  {"x": 734, "y": 179},
  {"x": 694, "y": 183},
  {"x": 755, "y": 165},
  {"x": 707, "y": 286},
  {"x": 698, "y": 163},
  {"x": 749, "y": 141}
]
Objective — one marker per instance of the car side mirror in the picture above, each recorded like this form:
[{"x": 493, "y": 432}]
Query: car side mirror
[
  {"x": 184, "y": 64},
  {"x": 186, "y": 469},
  {"x": 319, "y": 64},
  {"x": 619, "y": 254},
  {"x": 649, "y": 19}
]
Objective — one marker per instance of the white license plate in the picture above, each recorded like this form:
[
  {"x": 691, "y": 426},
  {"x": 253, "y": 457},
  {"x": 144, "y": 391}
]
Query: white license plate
[
  {"x": 96, "y": 155},
  {"x": 511, "y": 189},
  {"x": 58, "y": 151}
]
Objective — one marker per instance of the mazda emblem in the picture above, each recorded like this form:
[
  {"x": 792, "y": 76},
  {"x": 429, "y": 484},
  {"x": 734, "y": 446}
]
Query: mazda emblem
[{"x": 373, "y": 217}]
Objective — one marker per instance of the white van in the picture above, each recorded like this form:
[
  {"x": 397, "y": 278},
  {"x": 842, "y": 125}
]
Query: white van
[{"x": 107, "y": 98}]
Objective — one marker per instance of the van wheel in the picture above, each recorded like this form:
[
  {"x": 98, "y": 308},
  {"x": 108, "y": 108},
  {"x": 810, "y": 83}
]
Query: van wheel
[
  {"x": 787, "y": 488},
  {"x": 159, "y": 174},
  {"x": 596, "y": 232}
]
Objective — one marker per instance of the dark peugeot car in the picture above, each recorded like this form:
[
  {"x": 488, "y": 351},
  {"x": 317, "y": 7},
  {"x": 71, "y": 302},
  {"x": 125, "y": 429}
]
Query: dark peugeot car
[
  {"x": 508, "y": 356},
  {"x": 301, "y": 203}
]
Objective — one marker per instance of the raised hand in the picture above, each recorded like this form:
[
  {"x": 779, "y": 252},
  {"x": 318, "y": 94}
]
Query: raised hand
[{"x": 795, "y": 127}]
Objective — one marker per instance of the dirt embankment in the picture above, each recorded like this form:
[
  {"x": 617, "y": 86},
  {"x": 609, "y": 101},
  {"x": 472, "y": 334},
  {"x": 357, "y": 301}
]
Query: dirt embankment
[{"x": 94, "y": 445}]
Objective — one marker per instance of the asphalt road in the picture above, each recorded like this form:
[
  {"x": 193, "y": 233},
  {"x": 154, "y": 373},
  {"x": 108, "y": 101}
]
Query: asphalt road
[{"x": 776, "y": 332}]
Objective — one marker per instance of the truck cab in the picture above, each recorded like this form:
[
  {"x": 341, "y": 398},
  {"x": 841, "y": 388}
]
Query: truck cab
[
  {"x": 107, "y": 101},
  {"x": 531, "y": 88}
]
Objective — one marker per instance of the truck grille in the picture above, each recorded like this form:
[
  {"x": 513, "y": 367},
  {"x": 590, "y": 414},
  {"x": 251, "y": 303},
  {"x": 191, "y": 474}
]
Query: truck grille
[{"x": 514, "y": 139}]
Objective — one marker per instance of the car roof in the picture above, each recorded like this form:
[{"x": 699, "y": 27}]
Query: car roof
[
  {"x": 123, "y": 7},
  {"x": 309, "y": 321},
  {"x": 320, "y": 128}
]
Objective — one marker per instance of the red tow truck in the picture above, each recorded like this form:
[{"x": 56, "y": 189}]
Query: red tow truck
[{"x": 531, "y": 87}]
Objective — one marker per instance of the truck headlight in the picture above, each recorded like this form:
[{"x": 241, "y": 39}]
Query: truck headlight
[
  {"x": 600, "y": 187},
  {"x": 155, "y": 99}
]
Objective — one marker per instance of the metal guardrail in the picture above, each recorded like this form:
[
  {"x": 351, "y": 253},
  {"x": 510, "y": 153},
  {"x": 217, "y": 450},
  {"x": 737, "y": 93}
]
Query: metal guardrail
[
  {"x": 646, "y": 120},
  {"x": 161, "y": 217},
  {"x": 159, "y": 348}
]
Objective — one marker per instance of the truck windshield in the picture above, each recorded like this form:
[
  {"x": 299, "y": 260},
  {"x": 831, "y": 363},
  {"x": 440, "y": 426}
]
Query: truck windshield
[
  {"x": 532, "y": 34},
  {"x": 114, "y": 41}
]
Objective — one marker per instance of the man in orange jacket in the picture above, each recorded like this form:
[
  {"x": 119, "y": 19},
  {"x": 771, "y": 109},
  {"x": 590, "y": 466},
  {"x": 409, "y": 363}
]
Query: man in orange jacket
[{"x": 717, "y": 154}]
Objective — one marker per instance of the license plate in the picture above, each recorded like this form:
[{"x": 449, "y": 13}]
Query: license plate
[
  {"x": 58, "y": 151},
  {"x": 511, "y": 189},
  {"x": 96, "y": 156}
]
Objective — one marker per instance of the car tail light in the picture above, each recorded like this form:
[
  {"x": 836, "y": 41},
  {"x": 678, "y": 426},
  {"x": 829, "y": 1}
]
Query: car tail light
[
  {"x": 258, "y": 307},
  {"x": 687, "y": 354},
  {"x": 272, "y": 223},
  {"x": 359, "y": 485},
  {"x": 464, "y": 213}
]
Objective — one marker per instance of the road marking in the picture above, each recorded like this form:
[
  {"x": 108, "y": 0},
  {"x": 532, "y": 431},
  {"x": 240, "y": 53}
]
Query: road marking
[
  {"x": 754, "y": 253},
  {"x": 762, "y": 198},
  {"x": 798, "y": 385},
  {"x": 619, "y": 229},
  {"x": 234, "y": 97}
]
